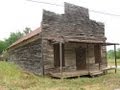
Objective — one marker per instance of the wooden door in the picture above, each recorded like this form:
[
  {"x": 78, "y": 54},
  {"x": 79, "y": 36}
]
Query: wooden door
[
  {"x": 57, "y": 55},
  {"x": 81, "y": 58},
  {"x": 97, "y": 53}
]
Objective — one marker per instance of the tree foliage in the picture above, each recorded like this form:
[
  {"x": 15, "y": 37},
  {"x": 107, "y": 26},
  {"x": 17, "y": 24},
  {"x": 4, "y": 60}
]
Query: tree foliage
[
  {"x": 111, "y": 55},
  {"x": 118, "y": 53},
  {"x": 14, "y": 36},
  {"x": 27, "y": 30},
  {"x": 3, "y": 46}
]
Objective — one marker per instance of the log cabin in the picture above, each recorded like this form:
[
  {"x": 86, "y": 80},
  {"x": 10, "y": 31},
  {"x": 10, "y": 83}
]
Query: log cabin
[{"x": 65, "y": 45}]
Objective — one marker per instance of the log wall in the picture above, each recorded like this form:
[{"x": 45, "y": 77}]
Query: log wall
[{"x": 28, "y": 57}]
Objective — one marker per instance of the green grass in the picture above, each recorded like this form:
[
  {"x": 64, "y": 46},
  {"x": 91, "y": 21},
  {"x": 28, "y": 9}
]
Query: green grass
[
  {"x": 111, "y": 62},
  {"x": 13, "y": 78}
]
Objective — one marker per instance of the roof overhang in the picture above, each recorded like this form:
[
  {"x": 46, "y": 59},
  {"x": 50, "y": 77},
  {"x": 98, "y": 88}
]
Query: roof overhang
[
  {"x": 103, "y": 43},
  {"x": 93, "y": 42}
]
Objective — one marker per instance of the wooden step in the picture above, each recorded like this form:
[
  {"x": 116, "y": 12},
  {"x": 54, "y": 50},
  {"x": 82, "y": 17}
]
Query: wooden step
[{"x": 95, "y": 73}]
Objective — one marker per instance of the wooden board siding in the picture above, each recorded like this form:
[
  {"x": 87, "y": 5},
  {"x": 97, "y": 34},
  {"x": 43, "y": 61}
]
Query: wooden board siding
[
  {"x": 28, "y": 57},
  {"x": 48, "y": 55},
  {"x": 74, "y": 22},
  {"x": 70, "y": 53},
  {"x": 104, "y": 57},
  {"x": 70, "y": 57},
  {"x": 90, "y": 54}
]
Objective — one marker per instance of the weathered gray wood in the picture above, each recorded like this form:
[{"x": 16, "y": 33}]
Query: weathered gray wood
[
  {"x": 28, "y": 57},
  {"x": 95, "y": 73},
  {"x": 70, "y": 74},
  {"x": 78, "y": 28}
]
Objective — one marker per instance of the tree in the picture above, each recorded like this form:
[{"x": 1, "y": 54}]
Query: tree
[
  {"x": 13, "y": 37},
  {"x": 110, "y": 54},
  {"x": 27, "y": 30},
  {"x": 3, "y": 46},
  {"x": 118, "y": 53}
]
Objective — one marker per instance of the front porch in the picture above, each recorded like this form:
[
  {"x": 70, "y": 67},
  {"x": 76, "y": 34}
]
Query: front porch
[
  {"x": 76, "y": 58},
  {"x": 55, "y": 73}
]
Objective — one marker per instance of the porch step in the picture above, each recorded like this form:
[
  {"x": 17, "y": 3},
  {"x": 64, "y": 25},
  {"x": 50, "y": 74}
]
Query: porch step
[
  {"x": 108, "y": 68},
  {"x": 95, "y": 73}
]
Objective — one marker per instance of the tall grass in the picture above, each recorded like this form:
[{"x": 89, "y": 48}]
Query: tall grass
[{"x": 14, "y": 78}]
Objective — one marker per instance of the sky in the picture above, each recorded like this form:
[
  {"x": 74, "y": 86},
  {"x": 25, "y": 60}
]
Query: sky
[{"x": 15, "y": 15}]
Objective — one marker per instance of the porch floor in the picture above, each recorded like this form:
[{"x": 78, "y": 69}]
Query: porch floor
[
  {"x": 78, "y": 73},
  {"x": 75, "y": 73}
]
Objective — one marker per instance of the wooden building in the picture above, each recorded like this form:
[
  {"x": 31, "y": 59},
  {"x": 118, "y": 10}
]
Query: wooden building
[{"x": 65, "y": 45}]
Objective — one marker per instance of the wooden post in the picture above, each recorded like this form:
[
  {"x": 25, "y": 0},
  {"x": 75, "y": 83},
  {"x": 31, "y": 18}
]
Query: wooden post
[
  {"x": 100, "y": 56},
  {"x": 60, "y": 46},
  {"x": 43, "y": 71},
  {"x": 88, "y": 59},
  {"x": 115, "y": 58}
]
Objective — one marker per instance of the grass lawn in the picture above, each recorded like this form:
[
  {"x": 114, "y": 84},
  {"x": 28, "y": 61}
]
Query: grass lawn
[
  {"x": 13, "y": 78},
  {"x": 111, "y": 62}
]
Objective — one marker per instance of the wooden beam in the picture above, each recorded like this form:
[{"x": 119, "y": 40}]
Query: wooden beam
[
  {"x": 60, "y": 46},
  {"x": 115, "y": 58}
]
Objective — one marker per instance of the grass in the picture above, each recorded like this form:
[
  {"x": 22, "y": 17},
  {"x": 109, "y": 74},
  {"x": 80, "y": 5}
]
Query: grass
[
  {"x": 13, "y": 78},
  {"x": 111, "y": 62}
]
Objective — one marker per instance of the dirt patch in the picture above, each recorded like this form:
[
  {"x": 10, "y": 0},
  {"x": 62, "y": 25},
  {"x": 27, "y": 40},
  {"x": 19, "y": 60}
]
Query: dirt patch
[{"x": 3, "y": 88}]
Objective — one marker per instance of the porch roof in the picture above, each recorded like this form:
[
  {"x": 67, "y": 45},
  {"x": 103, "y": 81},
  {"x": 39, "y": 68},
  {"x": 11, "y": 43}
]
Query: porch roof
[
  {"x": 84, "y": 41},
  {"x": 92, "y": 42}
]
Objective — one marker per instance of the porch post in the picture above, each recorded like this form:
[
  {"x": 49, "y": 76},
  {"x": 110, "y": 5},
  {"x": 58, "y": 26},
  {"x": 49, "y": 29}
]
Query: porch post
[
  {"x": 100, "y": 56},
  {"x": 88, "y": 59},
  {"x": 60, "y": 46},
  {"x": 115, "y": 58}
]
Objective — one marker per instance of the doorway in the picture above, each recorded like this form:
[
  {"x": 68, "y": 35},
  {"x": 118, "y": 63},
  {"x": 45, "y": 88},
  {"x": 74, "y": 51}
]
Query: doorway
[
  {"x": 81, "y": 58},
  {"x": 97, "y": 53}
]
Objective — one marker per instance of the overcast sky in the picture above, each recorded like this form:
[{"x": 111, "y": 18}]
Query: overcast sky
[{"x": 15, "y": 15}]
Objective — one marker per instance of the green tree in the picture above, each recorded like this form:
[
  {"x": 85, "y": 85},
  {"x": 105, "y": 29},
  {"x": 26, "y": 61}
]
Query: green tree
[
  {"x": 118, "y": 53},
  {"x": 110, "y": 54},
  {"x": 3, "y": 46},
  {"x": 27, "y": 30},
  {"x": 13, "y": 37}
]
